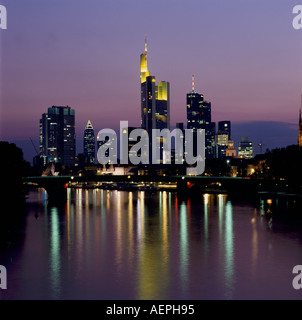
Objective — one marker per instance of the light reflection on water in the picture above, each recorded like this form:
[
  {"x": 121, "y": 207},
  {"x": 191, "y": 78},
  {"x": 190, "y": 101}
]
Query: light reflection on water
[{"x": 106, "y": 244}]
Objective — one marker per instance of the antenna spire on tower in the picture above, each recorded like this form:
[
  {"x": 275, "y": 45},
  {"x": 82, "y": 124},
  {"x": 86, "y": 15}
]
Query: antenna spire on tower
[
  {"x": 193, "y": 83},
  {"x": 145, "y": 44}
]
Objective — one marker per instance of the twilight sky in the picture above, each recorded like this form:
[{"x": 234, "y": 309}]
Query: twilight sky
[{"x": 245, "y": 55}]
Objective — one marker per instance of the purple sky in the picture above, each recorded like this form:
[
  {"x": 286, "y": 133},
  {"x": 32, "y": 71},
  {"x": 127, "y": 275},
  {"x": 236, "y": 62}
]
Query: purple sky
[{"x": 245, "y": 55}]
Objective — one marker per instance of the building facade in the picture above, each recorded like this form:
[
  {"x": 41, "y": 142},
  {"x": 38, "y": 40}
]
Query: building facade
[
  {"x": 57, "y": 135},
  {"x": 89, "y": 144},
  {"x": 199, "y": 117},
  {"x": 155, "y": 103},
  {"x": 155, "y": 99},
  {"x": 231, "y": 151},
  {"x": 245, "y": 148},
  {"x": 162, "y": 101},
  {"x": 225, "y": 127},
  {"x": 222, "y": 139}
]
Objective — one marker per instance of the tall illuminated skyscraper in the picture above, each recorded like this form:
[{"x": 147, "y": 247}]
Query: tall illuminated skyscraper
[
  {"x": 194, "y": 109},
  {"x": 148, "y": 104},
  {"x": 147, "y": 93},
  {"x": 155, "y": 99},
  {"x": 162, "y": 112},
  {"x": 155, "y": 103},
  {"x": 199, "y": 117},
  {"x": 89, "y": 144},
  {"x": 57, "y": 135}
]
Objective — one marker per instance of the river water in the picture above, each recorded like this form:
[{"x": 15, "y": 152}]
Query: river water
[{"x": 106, "y": 244}]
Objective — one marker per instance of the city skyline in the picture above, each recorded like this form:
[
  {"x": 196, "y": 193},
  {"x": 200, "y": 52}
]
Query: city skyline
[{"x": 262, "y": 86}]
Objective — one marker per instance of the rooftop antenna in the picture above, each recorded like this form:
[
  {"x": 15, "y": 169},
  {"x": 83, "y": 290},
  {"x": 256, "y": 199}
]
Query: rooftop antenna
[
  {"x": 193, "y": 83},
  {"x": 145, "y": 44}
]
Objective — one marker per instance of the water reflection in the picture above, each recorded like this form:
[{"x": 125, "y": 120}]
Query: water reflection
[
  {"x": 153, "y": 257},
  {"x": 255, "y": 243},
  {"x": 54, "y": 253},
  {"x": 117, "y": 200},
  {"x": 206, "y": 225},
  {"x": 184, "y": 255},
  {"x": 229, "y": 251},
  {"x": 140, "y": 245}
]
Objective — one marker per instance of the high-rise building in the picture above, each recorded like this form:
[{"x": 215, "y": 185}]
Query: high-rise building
[
  {"x": 126, "y": 132},
  {"x": 199, "y": 117},
  {"x": 194, "y": 107},
  {"x": 111, "y": 147},
  {"x": 155, "y": 103},
  {"x": 211, "y": 141},
  {"x": 57, "y": 135},
  {"x": 225, "y": 127},
  {"x": 222, "y": 139},
  {"x": 208, "y": 126},
  {"x": 89, "y": 144},
  {"x": 162, "y": 112},
  {"x": 155, "y": 99},
  {"x": 245, "y": 148},
  {"x": 148, "y": 105},
  {"x": 178, "y": 158}
]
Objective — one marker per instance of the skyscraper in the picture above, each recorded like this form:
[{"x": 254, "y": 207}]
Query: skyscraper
[
  {"x": 57, "y": 135},
  {"x": 222, "y": 139},
  {"x": 245, "y": 148},
  {"x": 89, "y": 144},
  {"x": 162, "y": 112},
  {"x": 155, "y": 99},
  {"x": 131, "y": 143},
  {"x": 155, "y": 103},
  {"x": 199, "y": 117},
  {"x": 148, "y": 104},
  {"x": 225, "y": 127},
  {"x": 111, "y": 147}
]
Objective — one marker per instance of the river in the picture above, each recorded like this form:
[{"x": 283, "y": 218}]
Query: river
[{"x": 107, "y": 244}]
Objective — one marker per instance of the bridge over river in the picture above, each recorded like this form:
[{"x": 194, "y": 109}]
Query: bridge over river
[{"x": 56, "y": 186}]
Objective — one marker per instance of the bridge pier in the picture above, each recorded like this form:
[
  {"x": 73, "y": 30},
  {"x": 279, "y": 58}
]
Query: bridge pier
[
  {"x": 56, "y": 193},
  {"x": 55, "y": 187}
]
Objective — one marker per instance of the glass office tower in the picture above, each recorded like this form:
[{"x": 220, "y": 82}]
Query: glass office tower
[{"x": 57, "y": 135}]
